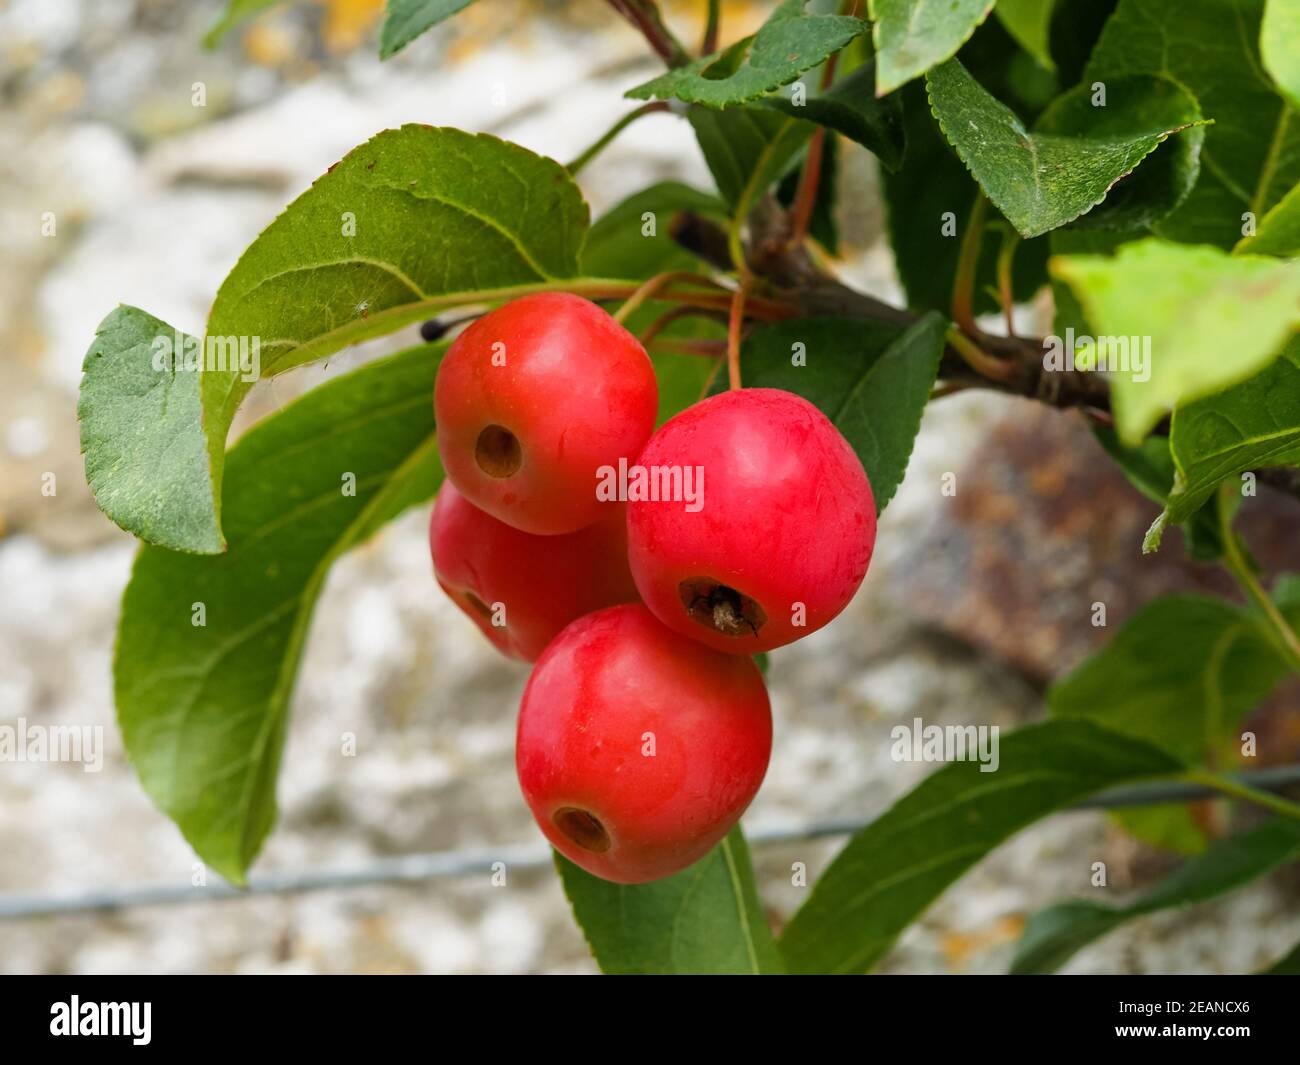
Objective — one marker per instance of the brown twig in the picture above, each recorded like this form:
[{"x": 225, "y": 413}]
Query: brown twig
[
  {"x": 657, "y": 284},
  {"x": 963, "y": 286},
  {"x": 666, "y": 319},
  {"x": 799, "y": 282},
  {"x": 711, "y": 349},
  {"x": 645, "y": 16},
  {"x": 713, "y": 376},
  {"x": 709, "y": 44},
  {"x": 801, "y": 285},
  {"x": 805, "y": 197},
  {"x": 978, "y": 359},
  {"x": 736, "y": 320},
  {"x": 1006, "y": 286}
]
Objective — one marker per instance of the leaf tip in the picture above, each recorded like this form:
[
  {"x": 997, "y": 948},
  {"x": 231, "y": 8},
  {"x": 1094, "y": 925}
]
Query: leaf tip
[{"x": 1155, "y": 534}]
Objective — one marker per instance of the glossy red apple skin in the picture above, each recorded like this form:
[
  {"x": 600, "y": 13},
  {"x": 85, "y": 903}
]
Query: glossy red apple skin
[
  {"x": 571, "y": 386},
  {"x": 787, "y": 518},
  {"x": 543, "y": 582},
  {"x": 611, "y": 684}
]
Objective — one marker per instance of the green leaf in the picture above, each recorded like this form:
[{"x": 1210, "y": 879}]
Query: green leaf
[
  {"x": 1251, "y": 155},
  {"x": 1029, "y": 22},
  {"x": 146, "y": 457},
  {"x": 911, "y": 36},
  {"x": 1254, "y": 424},
  {"x": 1286, "y": 966},
  {"x": 927, "y": 206},
  {"x": 1055, "y": 934},
  {"x": 235, "y": 12},
  {"x": 1279, "y": 45},
  {"x": 437, "y": 211},
  {"x": 1151, "y": 470},
  {"x": 872, "y": 380},
  {"x": 203, "y": 708},
  {"x": 1278, "y": 232},
  {"x": 747, "y": 148},
  {"x": 891, "y": 871},
  {"x": 1212, "y": 320},
  {"x": 705, "y": 919},
  {"x": 1043, "y": 180},
  {"x": 848, "y": 107},
  {"x": 1166, "y": 178},
  {"x": 786, "y": 45},
  {"x": 407, "y": 19},
  {"x": 413, "y": 220},
  {"x": 1181, "y": 673}
]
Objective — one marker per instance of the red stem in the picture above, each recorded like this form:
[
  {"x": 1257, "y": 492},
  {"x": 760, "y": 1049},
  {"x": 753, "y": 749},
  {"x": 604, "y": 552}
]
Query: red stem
[
  {"x": 810, "y": 177},
  {"x": 733, "y": 336}
]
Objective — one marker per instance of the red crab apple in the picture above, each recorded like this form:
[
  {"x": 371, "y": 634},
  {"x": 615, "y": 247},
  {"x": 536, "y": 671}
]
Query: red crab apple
[
  {"x": 638, "y": 749},
  {"x": 778, "y": 534},
  {"x": 536, "y": 585},
  {"x": 532, "y": 400}
]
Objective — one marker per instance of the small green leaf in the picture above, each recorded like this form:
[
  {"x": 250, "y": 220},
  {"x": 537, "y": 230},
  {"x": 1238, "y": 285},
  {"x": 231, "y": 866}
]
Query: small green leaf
[
  {"x": 404, "y": 225},
  {"x": 142, "y": 434},
  {"x": 1251, "y": 155},
  {"x": 407, "y": 19},
  {"x": 1180, "y": 673},
  {"x": 1151, "y": 470},
  {"x": 872, "y": 380},
  {"x": 1211, "y": 320},
  {"x": 235, "y": 12},
  {"x": 891, "y": 871},
  {"x": 1055, "y": 934},
  {"x": 705, "y": 919},
  {"x": 1278, "y": 232},
  {"x": 928, "y": 203},
  {"x": 208, "y": 646},
  {"x": 911, "y": 36},
  {"x": 786, "y": 45},
  {"x": 1253, "y": 424},
  {"x": 849, "y": 107},
  {"x": 1029, "y": 22},
  {"x": 1043, "y": 180},
  {"x": 747, "y": 148},
  {"x": 1279, "y": 45}
]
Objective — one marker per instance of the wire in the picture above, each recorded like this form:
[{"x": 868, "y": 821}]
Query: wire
[{"x": 417, "y": 868}]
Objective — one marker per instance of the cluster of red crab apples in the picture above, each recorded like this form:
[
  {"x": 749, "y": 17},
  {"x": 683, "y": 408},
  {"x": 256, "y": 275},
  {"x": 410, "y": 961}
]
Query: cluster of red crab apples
[{"x": 745, "y": 523}]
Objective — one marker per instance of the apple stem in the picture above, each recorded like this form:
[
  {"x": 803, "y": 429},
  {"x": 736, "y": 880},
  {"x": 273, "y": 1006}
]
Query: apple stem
[{"x": 733, "y": 334}]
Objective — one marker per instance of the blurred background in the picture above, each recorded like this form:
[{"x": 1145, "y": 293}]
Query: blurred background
[{"x": 972, "y": 605}]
